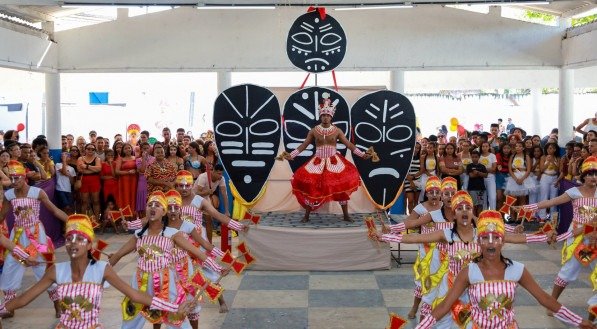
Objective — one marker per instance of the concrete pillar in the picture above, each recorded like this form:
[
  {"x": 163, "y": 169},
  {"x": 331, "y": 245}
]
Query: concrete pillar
[
  {"x": 224, "y": 81},
  {"x": 566, "y": 107},
  {"x": 53, "y": 115},
  {"x": 397, "y": 81},
  {"x": 122, "y": 13},
  {"x": 536, "y": 113}
]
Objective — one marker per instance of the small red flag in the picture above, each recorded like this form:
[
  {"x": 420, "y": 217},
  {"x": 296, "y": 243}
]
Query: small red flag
[
  {"x": 242, "y": 247},
  {"x": 238, "y": 266},
  {"x": 396, "y": 322},
  {"x": 213, "y": 291},
  {"x": 227, "y": 258}
]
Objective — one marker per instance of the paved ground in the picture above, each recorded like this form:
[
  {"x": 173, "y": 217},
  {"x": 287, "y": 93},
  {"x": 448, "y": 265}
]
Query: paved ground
[{"x": 360, "y": 300}]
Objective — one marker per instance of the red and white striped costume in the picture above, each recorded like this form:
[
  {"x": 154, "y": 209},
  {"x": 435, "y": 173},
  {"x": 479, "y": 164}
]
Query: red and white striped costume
[
  {"x": 29, "y": 234},
  {"x": 153, "y": 274},
  {"x": 491, "y": 301},
  {"x": 582, "y": 210},
  {"x": 183, "y": 264},
  {"x": 80, "y": 301}
]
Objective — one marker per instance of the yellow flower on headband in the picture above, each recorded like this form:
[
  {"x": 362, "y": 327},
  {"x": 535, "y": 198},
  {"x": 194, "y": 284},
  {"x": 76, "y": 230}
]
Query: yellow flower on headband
[
  {"x": 15, "y": 168},
  {"x": 173, "y": 198},
  {"x": 490, "y": 221},
  {"x": 589, "y": 164},
  {"x": 433, "y": 183},
  {"x": 159, "y": 197},
  {"x": 184, "y": 177},
  {"x": 80, "y": 224},
  {"x": 461, "y": 197},
  {"x": 449, "y": 183}
]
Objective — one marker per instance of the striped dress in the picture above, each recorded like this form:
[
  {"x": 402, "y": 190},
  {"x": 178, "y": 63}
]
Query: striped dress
[
  {"x": 154, "y": 275},
  {"x": 459, "y": 254},
  {"x": 80, "y": 301},
  {"x": 582, "y": 213},
  {"x": 193, "y": 213},
  {"x": 29, "y": 233},
  {"x": 491, "y": 301}
]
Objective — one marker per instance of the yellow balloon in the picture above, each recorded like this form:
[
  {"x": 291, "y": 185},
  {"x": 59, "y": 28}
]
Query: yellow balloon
[
  {"x": 453, "y": 127},
  {"x": 454, "y": 122}
]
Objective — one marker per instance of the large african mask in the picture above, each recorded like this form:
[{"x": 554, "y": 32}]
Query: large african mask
[
  {"x": 316, "y": 42},
  {"x": 247, "y": 133},
  {"x": 385, "y": 120},
  {"x": 301, "y": 113}
]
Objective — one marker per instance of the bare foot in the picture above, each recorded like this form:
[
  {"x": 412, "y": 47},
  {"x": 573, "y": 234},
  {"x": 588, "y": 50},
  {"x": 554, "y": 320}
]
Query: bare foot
[
  {"x": 8, "y": 315},
  {"x": 348, "y": 219},
  {"x": 549, "y": 313},
  {"x": 412, "y": 314},
  {"x": 223, "y": 308}
]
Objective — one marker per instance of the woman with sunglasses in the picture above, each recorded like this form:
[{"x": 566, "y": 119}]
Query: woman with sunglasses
[
  {"x": 89, "y": 166},
  {"x": 28, "y": 232},
  {"x": 80, "y": 282},
  {"x": 155, "y": 273},
  {"x": 584, "y": 203},
  {"x": 459, "y": 246},
  {"x": 490, "y": 281}
]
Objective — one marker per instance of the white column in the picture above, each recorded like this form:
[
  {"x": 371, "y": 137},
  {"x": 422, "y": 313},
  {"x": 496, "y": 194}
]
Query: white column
[
  {"x": 536, "y": 119},
  {"x": 397, "y": 81},
  {"x": 53, "y": 115},
  {"x": 566, "y": 107},
  {"x": 224, "y": 80}
]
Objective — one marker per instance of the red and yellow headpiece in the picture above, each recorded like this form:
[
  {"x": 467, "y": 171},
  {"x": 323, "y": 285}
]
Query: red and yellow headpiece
[
  {"x": 173, "y": 198},
  {"x": 449, "y": 183},
  {"x": 461, "y": 197},
  {"x": 15, "y": 168},
  {"x": 432, "y": 183},
  {"x": 490, "y": 221},
  {"x": 133, "y": 128},
  {"x": 184, "y": 177},
  {"x": 589, "y": 164},
  {"x": 159, "y": 197},
  {"x": 80, "y": 224}
]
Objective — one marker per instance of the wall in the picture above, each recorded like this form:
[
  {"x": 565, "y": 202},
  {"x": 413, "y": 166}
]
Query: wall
[{"x": 429, "y": 37}]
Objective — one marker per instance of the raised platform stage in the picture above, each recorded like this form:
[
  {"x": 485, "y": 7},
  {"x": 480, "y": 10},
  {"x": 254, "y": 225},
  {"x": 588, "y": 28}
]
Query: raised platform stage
[{"x": 325, "y": 243}]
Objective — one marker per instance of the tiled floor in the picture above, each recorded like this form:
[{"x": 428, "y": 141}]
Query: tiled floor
[{"x": 289, "y": 300}]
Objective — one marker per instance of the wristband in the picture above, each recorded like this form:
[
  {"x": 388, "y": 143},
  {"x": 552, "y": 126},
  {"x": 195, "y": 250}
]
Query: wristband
[
  {"x": 235, "y": 225},
  {"x": 294, "y": 153},
  {"x": 397, "y": 228},
  {"x": 532, "y": 207},
  {"x": 567, "y": 316},
  {"x": 217, "y": 252},
  {"x": 533, "y": 238},
  {"x": 162, "y": 305},
  {"x": 20, "y": 253},
  {"x": 211, "y": 263},
  {"x": 135, "y": 224},
  {"x": 392, "y": 238},
  {"x": 427, "y": 322},
  {"x": 564, "y": 236},
  {"x": 509, "y": 228},
  {"x": 358, "y": 152}
]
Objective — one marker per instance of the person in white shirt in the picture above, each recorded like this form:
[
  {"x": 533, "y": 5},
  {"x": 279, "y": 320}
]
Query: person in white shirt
[
  {"x": 206, "y": 186},
  {"x": 65, "y": 178}
]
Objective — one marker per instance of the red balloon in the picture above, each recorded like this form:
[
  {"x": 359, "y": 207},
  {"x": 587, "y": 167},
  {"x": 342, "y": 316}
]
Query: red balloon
[
  {"x": 461, "y": 130},
  {"x": 20, "y": 127}
]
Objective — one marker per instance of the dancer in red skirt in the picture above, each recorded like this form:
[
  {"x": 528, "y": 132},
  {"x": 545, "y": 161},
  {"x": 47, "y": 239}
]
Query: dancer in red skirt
[{"x": 328, "y": 176}]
